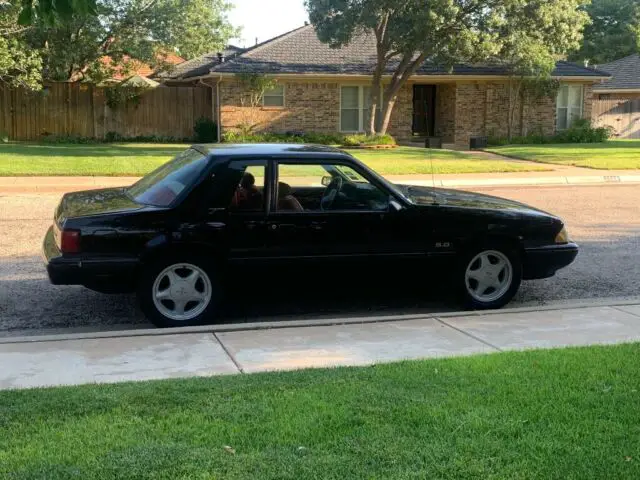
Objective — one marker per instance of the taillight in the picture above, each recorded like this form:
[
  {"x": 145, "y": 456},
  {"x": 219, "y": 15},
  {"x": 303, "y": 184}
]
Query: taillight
[{"x": 70, "y": 241}]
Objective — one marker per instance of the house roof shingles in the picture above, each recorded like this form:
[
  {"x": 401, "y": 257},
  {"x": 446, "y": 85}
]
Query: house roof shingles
[
  {"x": 300, "y": 51},
  {"x": 625, "y": 74}
]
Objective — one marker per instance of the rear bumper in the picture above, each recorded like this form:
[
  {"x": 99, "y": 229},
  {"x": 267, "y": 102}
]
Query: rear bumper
[
  {"x": 544, "y": 262},
  {"x": 73, "y": 270}
]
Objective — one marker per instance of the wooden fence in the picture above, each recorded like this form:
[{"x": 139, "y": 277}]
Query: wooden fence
[
  {"x": 77, "y": 109},
  {"x": 623, "y": 115}
]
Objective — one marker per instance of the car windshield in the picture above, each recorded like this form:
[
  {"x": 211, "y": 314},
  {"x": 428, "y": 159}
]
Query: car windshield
[
  {"x": 162, "y": 186},
  {"x": 355, "y": 177}
]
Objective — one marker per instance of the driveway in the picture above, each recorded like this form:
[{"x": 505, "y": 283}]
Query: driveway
[{"x": 603, "y": 219}]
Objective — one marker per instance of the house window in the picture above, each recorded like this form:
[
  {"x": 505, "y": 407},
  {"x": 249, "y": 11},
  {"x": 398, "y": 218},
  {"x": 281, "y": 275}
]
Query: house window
[
  {"x": 604, "y": 96},
  {"x": 355, "y": 105},
  {"x": 569, "y": 105},
  {"x": 274, "y": 97}
]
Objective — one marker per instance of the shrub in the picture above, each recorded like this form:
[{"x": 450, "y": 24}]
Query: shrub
[
  {"x": 206, "y": 130},
  {"x": 240, "y": 136},
  {"x": 362, "y": 139},
  {"x": 580, "y": 132},
  {"x": 112, "y": 137},
  {"x": 60, "y": 139},
  {"x": 324, "y": 138}
]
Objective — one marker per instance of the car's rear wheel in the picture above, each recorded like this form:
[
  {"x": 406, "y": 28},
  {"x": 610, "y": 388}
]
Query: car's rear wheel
[
  {"x": 178, "y": 292},
  {"x": 490, "y": 276}
]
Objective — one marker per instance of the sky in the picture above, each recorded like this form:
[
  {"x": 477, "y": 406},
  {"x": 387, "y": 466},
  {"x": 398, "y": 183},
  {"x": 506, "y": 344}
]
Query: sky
[{"x": 265, "y": 19}]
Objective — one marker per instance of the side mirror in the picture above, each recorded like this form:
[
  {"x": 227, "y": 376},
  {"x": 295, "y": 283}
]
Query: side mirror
[{"x": 326, "y": 180}]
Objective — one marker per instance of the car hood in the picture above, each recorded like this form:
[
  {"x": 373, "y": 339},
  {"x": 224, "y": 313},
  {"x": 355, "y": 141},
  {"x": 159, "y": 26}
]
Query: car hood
[
  {"x": 95, "y": 202},
  {"x": 463, "y": 199}
]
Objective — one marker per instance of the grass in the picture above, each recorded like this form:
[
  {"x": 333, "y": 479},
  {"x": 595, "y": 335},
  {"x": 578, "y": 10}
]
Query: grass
[
  {"x": 570, "y": 414},
  {"x": 21, "y": 159},
  {"x": 612, "y": 155}
]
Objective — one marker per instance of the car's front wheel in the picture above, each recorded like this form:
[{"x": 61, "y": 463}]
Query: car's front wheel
[
  {"x": 178, "y": 292},
  {"x": 491, "y": 276}
]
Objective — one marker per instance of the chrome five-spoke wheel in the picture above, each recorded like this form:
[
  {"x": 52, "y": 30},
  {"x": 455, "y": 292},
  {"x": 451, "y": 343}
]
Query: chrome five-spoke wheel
[
  {"x": 181, "y": 291},
  {"x": 488, "y": 276}
]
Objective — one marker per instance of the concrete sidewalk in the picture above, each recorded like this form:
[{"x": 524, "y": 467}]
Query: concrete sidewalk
[{"x": 246, "y": 348}]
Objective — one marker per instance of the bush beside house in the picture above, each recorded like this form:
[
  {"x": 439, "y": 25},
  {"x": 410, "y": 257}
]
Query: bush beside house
[{"x": 580, "y": 132}]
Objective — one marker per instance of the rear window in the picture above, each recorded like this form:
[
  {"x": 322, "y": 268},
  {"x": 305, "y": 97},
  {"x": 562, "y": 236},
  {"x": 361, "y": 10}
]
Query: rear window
[{"x": 162, "y": 186}]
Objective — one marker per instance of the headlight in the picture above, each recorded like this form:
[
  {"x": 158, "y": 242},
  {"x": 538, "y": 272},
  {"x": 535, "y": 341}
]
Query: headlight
[{"x": 563, "y": 236}]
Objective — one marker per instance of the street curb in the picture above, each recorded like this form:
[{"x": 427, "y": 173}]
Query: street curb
[
  {"x": 533, "y": 181},
  {"x": 282, "y": 324}
]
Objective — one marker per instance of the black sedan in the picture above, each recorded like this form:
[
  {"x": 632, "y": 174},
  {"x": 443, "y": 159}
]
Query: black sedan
[{"x": 175, "y": 235}]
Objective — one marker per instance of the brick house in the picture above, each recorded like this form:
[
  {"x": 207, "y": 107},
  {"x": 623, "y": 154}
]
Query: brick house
[{"x": 322, "y": 89}]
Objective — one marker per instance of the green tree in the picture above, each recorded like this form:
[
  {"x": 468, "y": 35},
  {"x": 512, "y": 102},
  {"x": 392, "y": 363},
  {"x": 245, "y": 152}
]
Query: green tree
[
  {"x": 19, "y": 65},
  {"x": 531, "y": 37},
  {"x": 524, "y": 34},
  {"x": 614, "y": 31},
  {"x": 32, "y": 11},
  {"x": 128, "y": 29},
  {"x": 253, "y": 87}
]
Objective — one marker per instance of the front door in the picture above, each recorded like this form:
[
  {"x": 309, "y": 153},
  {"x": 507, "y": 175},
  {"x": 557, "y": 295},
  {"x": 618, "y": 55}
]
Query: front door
[
  {"x": 424, "y": 110},
  {"x": 331, "y": 211}
]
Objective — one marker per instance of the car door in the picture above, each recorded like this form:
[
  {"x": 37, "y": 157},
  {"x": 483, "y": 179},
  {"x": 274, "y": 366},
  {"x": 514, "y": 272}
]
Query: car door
[
  {"x": 365, "y": 220},
  {"x": 236, "y": 215}
]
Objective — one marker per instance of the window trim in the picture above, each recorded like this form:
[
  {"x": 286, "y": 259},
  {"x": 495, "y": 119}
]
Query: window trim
[
  {"x": 278, "y": 96},
  {"x": 361, "y": 103},
  {"x": 292, "y": 161},
  {"x": 569, "y": 107}
]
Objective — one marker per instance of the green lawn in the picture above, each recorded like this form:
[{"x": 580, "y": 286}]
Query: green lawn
[
  {"x": 138, "y": 159},
  {"x": 612, "y": 155},
  {"x": 570, "y": 414}
]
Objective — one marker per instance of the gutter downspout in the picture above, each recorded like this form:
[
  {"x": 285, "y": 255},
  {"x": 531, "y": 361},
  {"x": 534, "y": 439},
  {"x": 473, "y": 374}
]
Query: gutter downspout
[
  {"x": 219, "y": 115},
  {"x": 215, "y": 107}
]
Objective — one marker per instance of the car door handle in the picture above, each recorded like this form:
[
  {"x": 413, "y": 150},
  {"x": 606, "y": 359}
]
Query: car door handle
[
  {"x": 282, "y": 226},
  {"x": 251, "y": 224},
  {"x": 317, "y": 225}
]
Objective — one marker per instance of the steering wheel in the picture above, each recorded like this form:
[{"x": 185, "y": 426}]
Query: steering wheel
[{"x": 330, "y": 193}]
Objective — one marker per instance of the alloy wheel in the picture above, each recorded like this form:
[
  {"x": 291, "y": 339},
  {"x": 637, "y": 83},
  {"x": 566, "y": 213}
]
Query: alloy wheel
[
  {"x": 488, "y": 276},
  {"x": 182, "y": 291}
]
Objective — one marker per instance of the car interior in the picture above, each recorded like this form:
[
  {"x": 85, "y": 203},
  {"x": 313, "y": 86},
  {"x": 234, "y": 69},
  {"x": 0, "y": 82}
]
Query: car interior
[{"x": 336, "y": 192}]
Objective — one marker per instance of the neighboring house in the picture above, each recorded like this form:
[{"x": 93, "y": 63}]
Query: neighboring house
[
  {"x": 624, "y": 82},
  {"x": 617, "y": 100},
  {"x": 130, "y": 67},
  {"x": 326, "y": 90}
]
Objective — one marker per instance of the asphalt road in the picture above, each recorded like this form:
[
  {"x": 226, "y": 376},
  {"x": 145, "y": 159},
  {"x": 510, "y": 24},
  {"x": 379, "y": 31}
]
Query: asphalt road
[{"x": 603, "y": 219}]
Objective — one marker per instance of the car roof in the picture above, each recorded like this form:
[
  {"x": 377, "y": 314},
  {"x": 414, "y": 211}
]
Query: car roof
[{"x": 269, "y": 149}]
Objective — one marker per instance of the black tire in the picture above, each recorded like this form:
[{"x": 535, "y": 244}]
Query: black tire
[
  {"x": 145, "y": 293},
  {"x": 514, "y": 258}
]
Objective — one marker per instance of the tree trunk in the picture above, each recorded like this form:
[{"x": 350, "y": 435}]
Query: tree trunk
[
  {"x": 386, "y": 115},
  {"x": 376, "y": 87},
  {"x": 406, "y": 68},
  {"x": 382, "y": 47}
]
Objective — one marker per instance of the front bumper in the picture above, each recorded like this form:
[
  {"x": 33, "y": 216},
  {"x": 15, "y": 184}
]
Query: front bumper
[
  {"x": 544, "y": 262},
  {"x": 75, "y": 270}
]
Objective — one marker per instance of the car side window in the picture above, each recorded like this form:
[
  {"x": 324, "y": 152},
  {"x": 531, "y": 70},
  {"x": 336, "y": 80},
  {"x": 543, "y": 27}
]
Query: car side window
[
  {"x": 249, "y": 193},
  {"x": 326, "y": 187}
]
